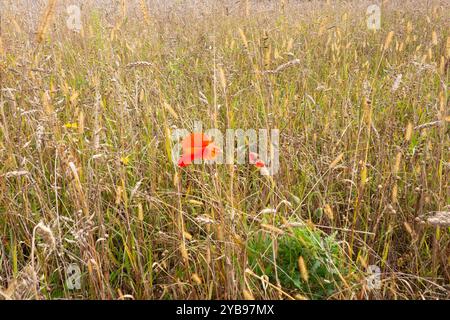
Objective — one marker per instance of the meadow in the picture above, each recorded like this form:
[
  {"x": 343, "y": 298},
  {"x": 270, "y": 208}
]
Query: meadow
[{"x": 358, "y": 209}]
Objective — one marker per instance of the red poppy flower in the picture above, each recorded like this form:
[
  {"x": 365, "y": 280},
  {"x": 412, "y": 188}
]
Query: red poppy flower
[
  {"x": 197, "y": 146},
  {"x": 260, "y": 164},
  {"x": 253, "y": 158}
]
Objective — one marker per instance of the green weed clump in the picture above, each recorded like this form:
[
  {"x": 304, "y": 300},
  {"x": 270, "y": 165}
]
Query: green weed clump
[
  {"x": 323, "y": 257},
  {"x": 87, "y": 124}
]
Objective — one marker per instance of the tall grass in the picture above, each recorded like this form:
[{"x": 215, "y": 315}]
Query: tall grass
[{"x": 86, "y": 178}]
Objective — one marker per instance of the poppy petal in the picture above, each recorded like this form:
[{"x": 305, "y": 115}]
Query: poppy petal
[
  {"x": 195, "y": 140},
  {"x": 187, "y": 157},
  {"x": 252, "y": 157},
  {"x": 260, "y": 164},
  {"x": 185, "y": 160},
  {"x": 211, "y": 152}
]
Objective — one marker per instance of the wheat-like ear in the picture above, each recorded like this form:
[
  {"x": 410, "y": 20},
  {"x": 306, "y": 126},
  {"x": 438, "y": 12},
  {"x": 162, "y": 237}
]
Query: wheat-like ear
[
  {"x": 45, "y": 21},
  {"x": 144, "y": 10},
  {"x": 124, "y": 9},
  {"x": 1, "y": 47},
  {"x": 246, "y": 8},
  {"x": 282, "y": 5}
]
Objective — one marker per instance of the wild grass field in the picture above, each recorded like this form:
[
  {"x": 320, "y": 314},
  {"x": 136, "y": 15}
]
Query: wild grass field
[{"x": 360, "y": 205}]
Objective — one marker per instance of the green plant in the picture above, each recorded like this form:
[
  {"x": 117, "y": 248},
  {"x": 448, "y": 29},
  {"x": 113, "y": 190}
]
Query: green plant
[{"x": 323, "y": 257}]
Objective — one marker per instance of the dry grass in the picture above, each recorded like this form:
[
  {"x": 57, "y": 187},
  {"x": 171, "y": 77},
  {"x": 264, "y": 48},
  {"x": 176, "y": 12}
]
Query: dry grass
[{"x": 85, "y": 177}]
